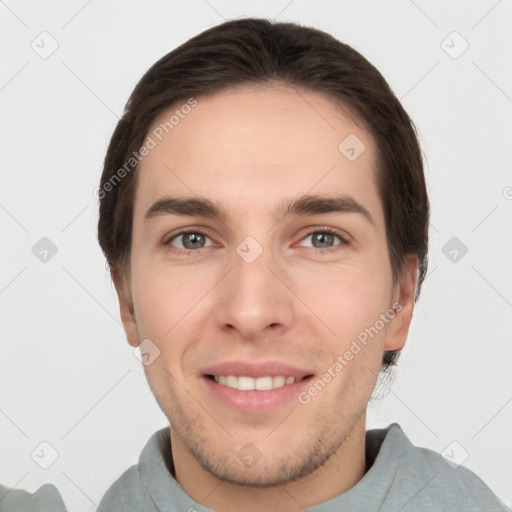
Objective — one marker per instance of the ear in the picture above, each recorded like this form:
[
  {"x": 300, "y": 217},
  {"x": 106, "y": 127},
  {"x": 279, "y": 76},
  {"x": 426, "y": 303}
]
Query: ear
[
  {"x": 126, "y": 309},
  {"x": 403, "y": 298}
]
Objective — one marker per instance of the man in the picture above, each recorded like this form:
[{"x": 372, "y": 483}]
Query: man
[{"x": 264, "y": 214}]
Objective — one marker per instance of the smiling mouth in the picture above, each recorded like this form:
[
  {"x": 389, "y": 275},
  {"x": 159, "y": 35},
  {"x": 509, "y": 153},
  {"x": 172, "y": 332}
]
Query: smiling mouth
[{"x": 245, "y": 383}]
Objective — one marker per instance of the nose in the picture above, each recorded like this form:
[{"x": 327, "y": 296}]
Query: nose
[{"x": 254, "y": 298}]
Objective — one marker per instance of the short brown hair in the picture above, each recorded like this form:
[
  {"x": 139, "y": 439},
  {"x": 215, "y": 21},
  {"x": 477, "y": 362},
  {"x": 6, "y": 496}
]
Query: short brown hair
[{"x": 257, "y": 51}]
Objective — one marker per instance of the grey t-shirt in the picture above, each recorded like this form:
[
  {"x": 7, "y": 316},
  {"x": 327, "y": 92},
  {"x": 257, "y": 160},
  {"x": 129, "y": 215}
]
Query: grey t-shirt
[{"x": 402, "y": 477}]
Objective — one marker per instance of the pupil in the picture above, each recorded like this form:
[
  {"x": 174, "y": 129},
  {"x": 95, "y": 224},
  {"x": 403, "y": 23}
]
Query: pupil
[
  {"x": 191, "y": 240},
  {"x": 323, "y": 238}
]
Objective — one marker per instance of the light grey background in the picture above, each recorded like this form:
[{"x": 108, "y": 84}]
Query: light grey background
[{"x": 68, "y": 375}]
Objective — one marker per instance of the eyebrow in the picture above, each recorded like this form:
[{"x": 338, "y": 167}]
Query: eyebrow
[{"x": 304, "y": 205}]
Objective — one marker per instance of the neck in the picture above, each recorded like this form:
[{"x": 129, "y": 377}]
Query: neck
[{"x": 339, "y": 473}]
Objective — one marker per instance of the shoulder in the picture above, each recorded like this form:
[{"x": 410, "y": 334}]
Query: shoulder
[
  {"x": 46, "y": 498},
  {"x": 428, "y": 479},
  {"x": 130, "y": 491},
  {"x": 127, "y": 493}
]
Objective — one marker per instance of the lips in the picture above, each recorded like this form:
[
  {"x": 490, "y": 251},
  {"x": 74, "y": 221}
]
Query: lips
[
  {"x": 255, "y": 387},
  {"x": 246, "y": 383},
  {"x": 256, "y": 371}
]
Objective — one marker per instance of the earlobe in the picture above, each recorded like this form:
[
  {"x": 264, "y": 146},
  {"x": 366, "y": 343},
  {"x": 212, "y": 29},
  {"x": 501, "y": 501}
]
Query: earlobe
[
  {"x": 403, "y": 304},
  {"x": 126, "y": 309}
]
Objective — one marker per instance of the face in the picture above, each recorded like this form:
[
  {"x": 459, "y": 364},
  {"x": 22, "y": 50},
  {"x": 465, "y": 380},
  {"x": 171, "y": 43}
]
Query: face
[{"x": 264, "y": 269}]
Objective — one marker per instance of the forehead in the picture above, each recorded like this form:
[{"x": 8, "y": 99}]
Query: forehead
[{"x": 252, "y": 145}]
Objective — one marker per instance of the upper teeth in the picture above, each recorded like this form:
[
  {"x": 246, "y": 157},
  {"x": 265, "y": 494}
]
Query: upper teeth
[{"x": 248, "y": 383}]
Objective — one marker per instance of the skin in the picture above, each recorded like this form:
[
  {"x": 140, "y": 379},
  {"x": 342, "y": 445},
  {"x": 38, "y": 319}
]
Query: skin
[{"x": 249, "y": 149}]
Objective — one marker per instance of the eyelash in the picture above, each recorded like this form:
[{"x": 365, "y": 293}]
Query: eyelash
[{"x": 344, "y": 241}]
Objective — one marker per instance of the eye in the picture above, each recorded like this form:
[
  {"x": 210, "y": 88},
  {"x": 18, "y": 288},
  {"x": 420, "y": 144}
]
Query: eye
[
  {"x": 188, "y": 240},
  {"x": 325, "y": 238}
]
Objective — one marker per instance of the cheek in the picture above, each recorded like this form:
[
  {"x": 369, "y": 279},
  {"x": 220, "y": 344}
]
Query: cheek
[
  {"x": 349, "y": 299},
  {"x": 353, "y": 309},
  {"x": 162, "y": 298},
  {"x": 166, "y": 305}
]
